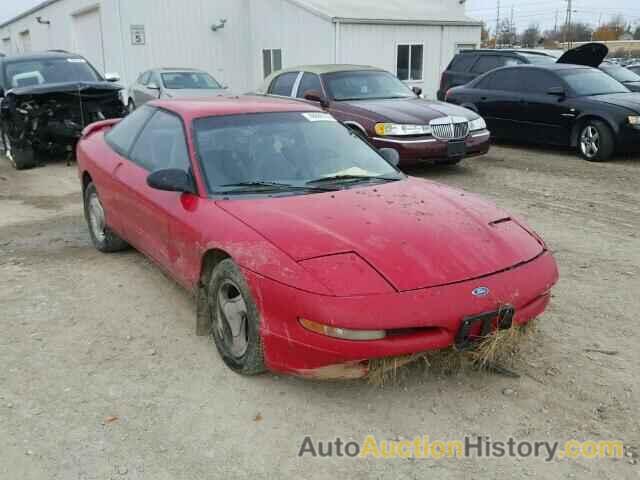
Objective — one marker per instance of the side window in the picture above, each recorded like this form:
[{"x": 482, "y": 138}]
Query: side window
[
  {"x": 537, "y": 81},
  {"x": 489, "y": 62},
  {"x": 409, "y": 62},
  {"x": 506, "y": 80},
  {"x": 162, "y": 144},
  {"x": 122, "y": 136},
  {"x": 310, "y": 81},
  {"x": 144, "y": 78},
  {"x": 462, "y": 62},
  {"x": 283, "y": 85}
]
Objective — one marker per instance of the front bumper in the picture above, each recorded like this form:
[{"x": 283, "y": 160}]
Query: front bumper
[
  {"x": 421, "y": 320},
  {"x": 415, "y": 150},
  {"x": 629, "y": 138}
]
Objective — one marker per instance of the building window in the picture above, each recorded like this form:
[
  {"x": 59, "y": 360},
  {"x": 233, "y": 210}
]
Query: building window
[
  {"x": 271, "y": 61},
  {"x": 410, "y": 59}
]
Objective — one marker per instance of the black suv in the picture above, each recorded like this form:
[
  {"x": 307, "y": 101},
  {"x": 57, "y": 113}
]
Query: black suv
[
  {"x": 469, "y": 64},
  {"x": 46, "y": 99}
]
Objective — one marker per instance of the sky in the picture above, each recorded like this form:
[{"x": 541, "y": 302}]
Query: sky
[
  {"x": 543, "y": 12},
  {"x": 525, "y": 12}
]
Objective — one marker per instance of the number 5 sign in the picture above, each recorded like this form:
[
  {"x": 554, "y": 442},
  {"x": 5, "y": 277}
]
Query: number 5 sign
[{"x": 138, "y": 36}]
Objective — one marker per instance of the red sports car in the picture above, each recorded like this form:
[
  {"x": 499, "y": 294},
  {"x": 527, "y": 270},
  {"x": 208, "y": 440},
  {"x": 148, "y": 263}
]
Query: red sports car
[{"x": 308, "y": 251}]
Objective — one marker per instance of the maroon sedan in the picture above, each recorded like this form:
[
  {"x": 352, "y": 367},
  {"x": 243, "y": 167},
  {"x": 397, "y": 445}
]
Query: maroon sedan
[{"x": 378, "y": 106}]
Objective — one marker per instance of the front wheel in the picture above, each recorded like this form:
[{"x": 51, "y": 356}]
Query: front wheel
[
  {"x": 235, "y": 320},
  {"x": 595, "y": 141},
  {"x": 103, "y": 238},
  {"x": 20, "y": 158}
]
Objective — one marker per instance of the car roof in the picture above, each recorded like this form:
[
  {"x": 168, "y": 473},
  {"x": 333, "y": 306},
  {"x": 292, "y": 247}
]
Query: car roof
[
  {"x": 547, "y": 66},
  {"x": 176, "y": 69},
  {"x": 40, "y": 56},
  {"x": 219, "y": 106},
  {"x": 510, "y": 51},
  {"x": 328, "y": 68}
]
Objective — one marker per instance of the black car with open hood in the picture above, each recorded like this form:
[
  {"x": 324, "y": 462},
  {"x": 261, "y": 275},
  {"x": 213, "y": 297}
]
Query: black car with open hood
[{"x": 46, "y": 100}]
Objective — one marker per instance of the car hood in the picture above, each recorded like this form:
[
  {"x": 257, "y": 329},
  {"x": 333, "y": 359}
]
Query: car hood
[
  {"x": 589, "y": 54},
  {"x": 198, "y": 93},
  {"x": 629, "y": 101},
  {"x": 67, "y": 87},
  {"x": 633, "y": 86},
  {"x": 407, "y": 110},
  {"x": 415, "y": 233}
]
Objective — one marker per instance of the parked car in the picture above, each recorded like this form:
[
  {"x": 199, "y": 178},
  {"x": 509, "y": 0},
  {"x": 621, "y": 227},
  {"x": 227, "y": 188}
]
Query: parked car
[
  {"x": 469, "y": 64},
  {"x": 635, "y": 68},
  {"x": 173, "y": 83},
  {"x": 46, "y": 99},
  {"x": 382, "y": 109},
  {"x": 556, "y": 104},
  {"x": 624, "y": 75},
  {"x": 307, "y": 250}
]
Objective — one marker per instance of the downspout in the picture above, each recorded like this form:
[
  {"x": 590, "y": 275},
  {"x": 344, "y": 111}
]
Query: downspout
[{"x": 336, "y": 43}]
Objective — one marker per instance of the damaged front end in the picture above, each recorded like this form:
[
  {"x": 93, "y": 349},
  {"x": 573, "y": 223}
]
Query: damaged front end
[{"x": 49, "y": 119}]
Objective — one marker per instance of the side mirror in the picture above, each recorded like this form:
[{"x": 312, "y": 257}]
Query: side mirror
[
  {"x": 112, "y": 77},
  {"x": 316, "y": 96},
  {"x": 417, "y": 90},
  {"x": 171, "y": 180},
  {"x": 556, "y": 91},
  {"x": 391, "y": 155},
  {"x": 153, "y": 86}
]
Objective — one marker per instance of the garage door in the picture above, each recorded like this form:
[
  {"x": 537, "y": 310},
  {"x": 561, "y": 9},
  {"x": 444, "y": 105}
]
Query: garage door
[{"x": 87, "y": 34}]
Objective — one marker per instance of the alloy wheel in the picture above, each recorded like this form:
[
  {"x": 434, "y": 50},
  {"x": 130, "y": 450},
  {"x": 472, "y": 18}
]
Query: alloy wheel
[
  {"x": 96, "y": 217},
  {"x": 590, "y": 141},
  {"x": 232, "y": 319}
]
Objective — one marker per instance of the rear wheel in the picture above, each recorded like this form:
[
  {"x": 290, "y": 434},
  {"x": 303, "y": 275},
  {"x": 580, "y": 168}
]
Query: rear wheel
[
  {"x": 20, "y": 158},
  {"x": 131, "y": 106},
  {"x": 235, "y": 322},
  {"x": 103, "y": 238},
  {"x": 595, "y": 141}
]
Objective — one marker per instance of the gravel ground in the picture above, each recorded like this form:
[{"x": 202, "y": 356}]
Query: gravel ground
[{"x": 103, "y": 378}]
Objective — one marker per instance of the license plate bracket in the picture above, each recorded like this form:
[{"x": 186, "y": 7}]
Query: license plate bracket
[
  {"x": 501, "y": 319},
  {"x": 456, "y": 149}
]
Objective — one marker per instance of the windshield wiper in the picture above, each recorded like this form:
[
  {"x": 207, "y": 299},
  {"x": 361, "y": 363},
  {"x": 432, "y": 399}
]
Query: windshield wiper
[
  {"x": 265, "y": 185},
  {"x": 351, "y": 178}
]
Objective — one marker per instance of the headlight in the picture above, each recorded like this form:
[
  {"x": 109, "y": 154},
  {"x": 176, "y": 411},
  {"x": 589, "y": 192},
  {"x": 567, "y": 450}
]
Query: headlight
[
  {"x": 477, "y": 124},
  {"x": 398, "y": 130},
  {"x": 342, "y": 333},
  {"x": 634, "y": 119}
]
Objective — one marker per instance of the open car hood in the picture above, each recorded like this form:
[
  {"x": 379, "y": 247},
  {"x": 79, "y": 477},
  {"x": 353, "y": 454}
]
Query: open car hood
[
  {"x": 67, "y": 87},
  {"x": 589, "y": 55},
  {"x": 414, "y": 233}
]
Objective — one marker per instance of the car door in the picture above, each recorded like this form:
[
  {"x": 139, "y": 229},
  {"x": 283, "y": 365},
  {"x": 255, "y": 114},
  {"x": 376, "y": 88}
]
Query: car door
[
  {"x": 498, "y": 103},
  {"x": 546, "y": 115},
  {"x": 146, "y": 208}
]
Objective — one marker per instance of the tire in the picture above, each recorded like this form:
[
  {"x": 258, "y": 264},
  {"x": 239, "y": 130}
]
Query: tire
[
  {"x": 232, "y": 307},
  {"x": 103, "y": 238},
  {"x": 20, "y": 158},
  {"x": 595, "y": 141},
  {"x": 131, "y": 106}
]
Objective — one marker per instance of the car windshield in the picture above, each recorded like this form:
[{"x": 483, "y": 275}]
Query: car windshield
[
  {"x": 29, "y": 73},
  {"x": 365, "y": 85},
  {"x": 585, "y": 82},
  {"x": 287, "y": 151},
  {"x": 621, "y": 74},
  {"x": 189, "y": 80}
]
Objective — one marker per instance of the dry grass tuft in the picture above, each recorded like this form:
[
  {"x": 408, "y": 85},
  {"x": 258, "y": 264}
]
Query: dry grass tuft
[{"x": 500, "y": 348}]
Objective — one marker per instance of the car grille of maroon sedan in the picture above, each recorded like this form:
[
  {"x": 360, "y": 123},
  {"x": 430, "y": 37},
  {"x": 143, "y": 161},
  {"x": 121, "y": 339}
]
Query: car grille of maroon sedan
[{"x": 450, "y": 128}]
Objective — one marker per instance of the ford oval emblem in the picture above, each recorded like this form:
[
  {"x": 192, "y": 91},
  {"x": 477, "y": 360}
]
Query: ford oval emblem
[{"x": 480, "y": 292}]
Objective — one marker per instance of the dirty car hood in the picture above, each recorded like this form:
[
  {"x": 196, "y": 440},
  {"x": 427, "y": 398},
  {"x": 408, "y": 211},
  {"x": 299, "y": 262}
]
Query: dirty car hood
[
  {"x": 629, "y": 101},
  {"x": 415, "y": 233},
  {"x": 407, "y": 110}
]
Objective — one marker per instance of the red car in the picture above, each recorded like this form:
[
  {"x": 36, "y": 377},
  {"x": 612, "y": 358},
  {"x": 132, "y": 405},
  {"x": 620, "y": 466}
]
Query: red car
[{"x": 309, "y": 252}]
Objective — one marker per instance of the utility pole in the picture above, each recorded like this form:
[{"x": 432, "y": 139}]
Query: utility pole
[
  {"x": 497, "y": 23},
  {"x": 569, "y": 11},
  {"x": 512, "y": 30},
  {"x": 555, "y": 26}
]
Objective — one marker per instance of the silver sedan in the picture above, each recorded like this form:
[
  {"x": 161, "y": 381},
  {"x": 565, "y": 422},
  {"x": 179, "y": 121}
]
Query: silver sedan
[{"x": 173, "y": 83}]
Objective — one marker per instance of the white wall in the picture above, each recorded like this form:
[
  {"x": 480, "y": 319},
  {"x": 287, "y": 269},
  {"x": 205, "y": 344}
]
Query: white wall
[{"x": 376, "y": 45}]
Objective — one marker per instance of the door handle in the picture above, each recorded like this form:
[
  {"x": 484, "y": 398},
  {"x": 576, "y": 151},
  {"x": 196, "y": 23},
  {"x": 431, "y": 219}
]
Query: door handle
[{"x": 483, "y": 99}]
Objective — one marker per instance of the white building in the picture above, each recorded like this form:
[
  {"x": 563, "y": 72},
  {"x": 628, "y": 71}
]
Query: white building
[{"x": 240, "y": 41}]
